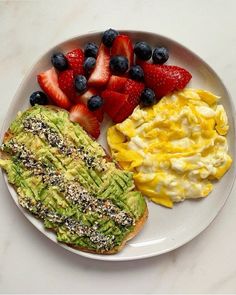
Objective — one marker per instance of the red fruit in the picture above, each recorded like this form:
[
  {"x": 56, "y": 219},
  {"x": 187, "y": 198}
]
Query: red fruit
[
  {"x": 48, "y": 81},
  {"x": 75, "y": 60},
  {"x": 133, "y": 89},
  {"x": 79, "y": 113},
  {"x": 101, "y": 73},
  {"x": 84, "y": 99},
  {"x": 66, "y": 84},
  {"x": 86, "y": 95},
  {"x": 164, "y": 79},
  {"x": 113, "y": 101},
  {"x": 99, "y": 114},
  {"x": 125, "y": 111},
  {"x": 122, "y": 45},
  {"x": 116, "y": 83}
]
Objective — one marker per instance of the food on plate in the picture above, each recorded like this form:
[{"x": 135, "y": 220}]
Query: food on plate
[
  {"x": 108, "y": 37},
  {"x": 48, "y": 81},
  {"x": 175, "y": 148},
  {"x": 160, "y": 55},
  {"x": 164, "y": 79},
  {"x": 109, "y": 78},
  {"x": 119, "y": 64},
  {"x": 91, "y": 50},
  {"x": 89, "y": 64},
  {"x": 143, "y": 50},
  {"x": 64, "y": 178},
  {"x": 80, "y": 83},
  {"x": 147, "y": 97},
  {"x": 59, "y": 61},
  {"x": 122, "y": 45},
  {"x": 38, "y": 97},
  {"x": 101, "y": 73},
  {"x": 136, "y": 73},
  {"x": 80, "y": 113}
]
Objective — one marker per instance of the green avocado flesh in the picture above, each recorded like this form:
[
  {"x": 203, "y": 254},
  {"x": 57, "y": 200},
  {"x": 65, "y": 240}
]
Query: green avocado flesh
[{"x": 62, "y": 177}]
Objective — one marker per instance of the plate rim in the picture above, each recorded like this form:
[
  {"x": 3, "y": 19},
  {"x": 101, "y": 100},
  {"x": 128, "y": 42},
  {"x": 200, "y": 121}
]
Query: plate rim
[{"x": 114, "y": 258}]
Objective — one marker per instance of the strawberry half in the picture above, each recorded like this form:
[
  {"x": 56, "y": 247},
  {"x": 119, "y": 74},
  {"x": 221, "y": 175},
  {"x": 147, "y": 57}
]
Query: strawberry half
[
  {"x": 75, "y": 60},
  {"x": 66, "y": 84},
  {"x": 116, "y": 83},
  {"x": 87, "y": 94},
  {"x": 164, "y": 79},
  {"x": 48, "y": 81},
  {"x": 113, "y": 101},
  {"x": 84, "y": 99},
  {"x": 122, "y": 45},
  {"x": 101, "y": 73},
  {"x": 79, "y": 113},
  {"x": 133, "y": 89}
]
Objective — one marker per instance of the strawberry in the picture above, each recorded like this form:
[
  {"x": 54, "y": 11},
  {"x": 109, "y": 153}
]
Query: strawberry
[
  {"x": 79, "y": 113},
  {"x": 101, "y": 73},
  {"x": 87, "y": 94},
  {"x": 48, "y": 81},
  {"x": 113, "y": 102},
  {"x": 116, "y": 83},
  {"x": 99, "y": 114},
  {"x": 164, "y": 79},
  {"x": 84, "y": 99},
  {"x": 66, "y": 84},
  {"x": 133, "y": 89},
  {"x": 75, "y": 60},
  {"x": 122, "y": 45},
  {"x": 125, "y": 111}
]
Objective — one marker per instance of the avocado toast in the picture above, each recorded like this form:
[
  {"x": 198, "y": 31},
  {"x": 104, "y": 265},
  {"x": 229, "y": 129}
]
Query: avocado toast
[{"x": 63, "y": 177}]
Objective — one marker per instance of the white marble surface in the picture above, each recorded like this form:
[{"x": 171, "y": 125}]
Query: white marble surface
[{"x": 29, "y": 262}]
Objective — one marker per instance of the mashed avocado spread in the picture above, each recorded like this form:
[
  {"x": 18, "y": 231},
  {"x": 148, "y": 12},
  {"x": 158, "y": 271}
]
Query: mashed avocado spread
[{"x": 62, "y": 176}]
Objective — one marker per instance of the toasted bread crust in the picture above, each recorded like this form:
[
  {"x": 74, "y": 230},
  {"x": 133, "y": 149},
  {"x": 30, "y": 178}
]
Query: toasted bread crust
[{"x": 138, "y": 225}]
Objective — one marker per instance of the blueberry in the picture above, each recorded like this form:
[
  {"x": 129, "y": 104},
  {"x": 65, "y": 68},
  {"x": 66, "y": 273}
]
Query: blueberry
[
  {"x": 91, "y": 50},
  {"x": 89, "y": 64},
  {"x": 38, "y": 97},
  {"x": 148, "y": 97},
  {"x": 108, "y": 37},
  {"x": 136, "y": 73},
  {"x": 80, "y": 83},
  {"x": 143, "y": 50},
  {"x": 59, "y": 61},
  {"x": 119, "y": 64},
  {"x": 95, "y": 102},
  {"x": 160, "y": 55}
]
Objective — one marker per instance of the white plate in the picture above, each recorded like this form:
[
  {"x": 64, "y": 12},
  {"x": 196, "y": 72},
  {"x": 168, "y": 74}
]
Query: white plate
[{"x": 166, "y": 229}]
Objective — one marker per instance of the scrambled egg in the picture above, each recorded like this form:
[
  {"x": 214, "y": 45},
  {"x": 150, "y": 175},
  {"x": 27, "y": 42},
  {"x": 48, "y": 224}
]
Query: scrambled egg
[{"x": 174, "y": 148}]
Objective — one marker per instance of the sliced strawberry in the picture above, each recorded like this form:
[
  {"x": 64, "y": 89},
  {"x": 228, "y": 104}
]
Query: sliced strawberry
[
  {"x": 113, "y": 102},
  {"x": 116, "y": 83},
  {"x": 101, "y": 73},
  {"x": 122, "y": 45},
  {"x": 66, "y": 84},
  {"x": 86, "y": 95},
  {"x": 79, "y": 113},
  {"x": 84, "y": 99},
  {"x": 99, "y": 114},
  {"x": 75, "y": 60},
  {"x": 164, "y": 79},
  {"x": 133, "y": 89},
  {"x": 125, "y": 111},
  {"x": 48, "y": 81}
]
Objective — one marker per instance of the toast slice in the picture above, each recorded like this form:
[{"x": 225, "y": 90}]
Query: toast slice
[{"x": 66, "y": 179}]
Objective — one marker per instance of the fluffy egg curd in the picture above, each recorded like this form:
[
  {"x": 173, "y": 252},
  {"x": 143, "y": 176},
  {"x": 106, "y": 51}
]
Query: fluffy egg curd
[{"x": 174, "y": 148}]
